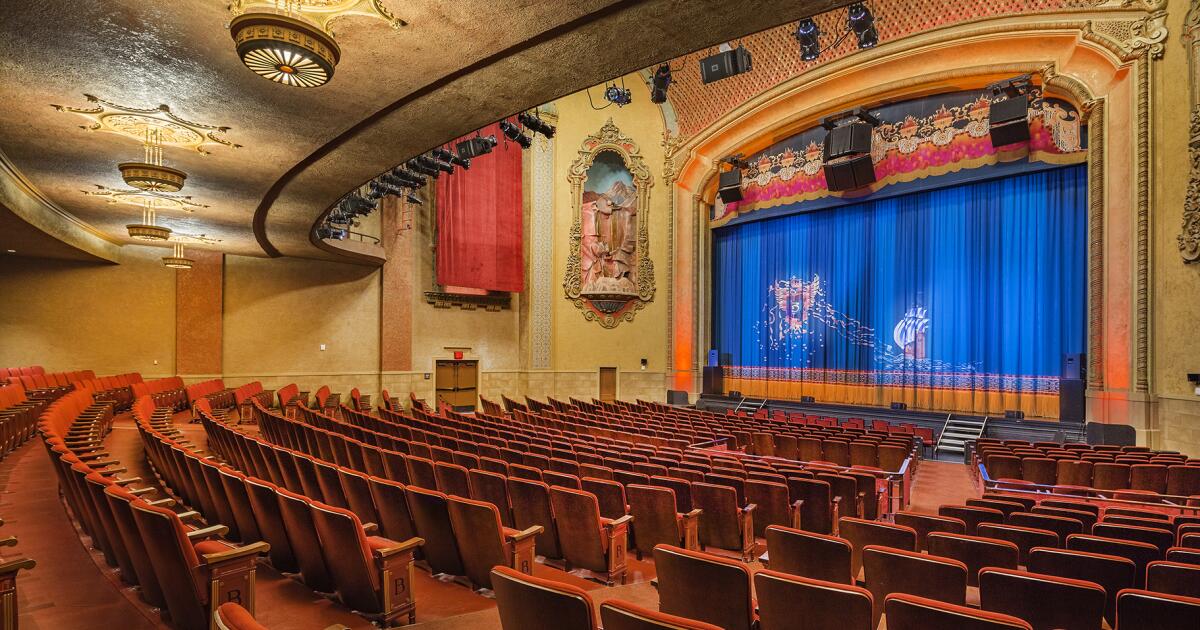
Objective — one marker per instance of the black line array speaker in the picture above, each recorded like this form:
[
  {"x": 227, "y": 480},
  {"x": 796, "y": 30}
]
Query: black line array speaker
[
  {"x": 847, "y": 157},
  {"x": 725, "y": 64},
  {"x": 1074, "y": 365},
  {"x": 1071, "y": 405},
  {"x": 713, "y": 381},
  {"x": 730, "y": 185},
  {"x": 1008, "y": 120}
]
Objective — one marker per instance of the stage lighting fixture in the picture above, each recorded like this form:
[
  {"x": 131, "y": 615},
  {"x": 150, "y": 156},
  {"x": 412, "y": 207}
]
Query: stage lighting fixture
[
  {"x": 847, "y": 150},
  {"x": 356, "y": 205},
  {"x": 659, "y": 84},
  {"x": 727, "y": 63},
  {"x": 809, "y": 37},
  {"x": 413, "y": 199},
  {"x": 1008, "y": 117},
  {"x": 432, "y": 162},
  {"x": 617, "y": 95},
  {"x": 416, "y": 166},
  {"x": 513, "y": 132},
  {"x": 411, "y": 180},
  {"x": 448, "y": 156},
  {"x": 860, "y": 20},
  {"x": 533, "y": 123},
  {"x": 475, "y": 147}
]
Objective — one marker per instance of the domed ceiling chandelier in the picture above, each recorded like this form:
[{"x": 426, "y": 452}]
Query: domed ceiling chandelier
[{"x": 289, "y": 41}]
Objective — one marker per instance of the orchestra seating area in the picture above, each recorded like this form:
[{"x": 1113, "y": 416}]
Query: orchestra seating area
[{"x": 737, "y": 522}]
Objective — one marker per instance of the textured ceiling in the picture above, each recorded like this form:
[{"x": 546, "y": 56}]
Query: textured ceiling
[{"x": 455, "y": 67}]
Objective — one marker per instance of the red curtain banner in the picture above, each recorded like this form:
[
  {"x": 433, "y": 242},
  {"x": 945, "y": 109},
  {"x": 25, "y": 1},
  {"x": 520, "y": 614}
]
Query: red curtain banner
[{"x": 480, "y": 239}]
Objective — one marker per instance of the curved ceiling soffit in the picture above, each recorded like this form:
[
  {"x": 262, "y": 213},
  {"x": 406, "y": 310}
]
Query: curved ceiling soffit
[
  {"x": 22, "y": 198},
  {"x": 700, "y": 153},
  {"x": 511, "y": 80}
]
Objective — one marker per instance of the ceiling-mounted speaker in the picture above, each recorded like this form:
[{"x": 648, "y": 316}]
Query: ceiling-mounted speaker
[
  {"x": 847, "y": 157},
  {"x": 1008, "y": 120},
  {"x": 730, "y": 185},
  {"x": 725, "y": 64}
]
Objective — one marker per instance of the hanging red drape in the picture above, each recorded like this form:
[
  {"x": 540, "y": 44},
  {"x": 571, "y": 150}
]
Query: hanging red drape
[{"x": 480, "y": 242}]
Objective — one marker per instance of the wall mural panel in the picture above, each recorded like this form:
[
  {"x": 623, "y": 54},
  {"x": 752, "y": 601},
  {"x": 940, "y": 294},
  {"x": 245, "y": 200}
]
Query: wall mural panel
[{"x": 609, "y": 272}]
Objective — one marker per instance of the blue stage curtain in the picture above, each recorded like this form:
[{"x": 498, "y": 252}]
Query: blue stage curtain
[{"x": 999, "y": 268}]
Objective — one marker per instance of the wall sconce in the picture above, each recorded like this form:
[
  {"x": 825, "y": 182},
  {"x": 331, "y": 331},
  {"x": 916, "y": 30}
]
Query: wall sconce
[
  {"x": 1194, "y": 379},
  {"x": 644, "y": 362}
]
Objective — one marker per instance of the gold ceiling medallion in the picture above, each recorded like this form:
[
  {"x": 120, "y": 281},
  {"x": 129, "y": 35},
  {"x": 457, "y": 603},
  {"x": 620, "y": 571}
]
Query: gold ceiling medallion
[
  {"x": 609, "y": 272},
  {"x": 147, "y": 230},
  {"x": 135, "y": 123},
  {"x": 321, "y": 12},
  {"x": 285, "y": 49},
  {"x": 177, "y": 260},
  {"x": 135, "y": 197}
]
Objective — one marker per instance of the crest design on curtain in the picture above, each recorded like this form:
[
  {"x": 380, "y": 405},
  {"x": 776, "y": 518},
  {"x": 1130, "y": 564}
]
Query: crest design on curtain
[{"x": 609, "y": 272}]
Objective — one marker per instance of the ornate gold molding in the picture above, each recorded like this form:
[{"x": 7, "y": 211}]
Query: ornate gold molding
[
  {"x": 1189, "y": 234},
  {"x": 610, "y": 138},
  {"x": 132, "y": 122},
  {"x": 321, "y": 12}
]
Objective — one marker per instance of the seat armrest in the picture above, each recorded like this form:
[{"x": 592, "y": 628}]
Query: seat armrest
[
  {"x": 370, "y": 528},
  {"x": 694, "y": 513},
  {"x": 208, "y": 532},
  {"x": 530, "y": 532},
  {"x": 11, "y": 566},
  {"x": 167, "y": 502},
  {"x": 750, "y": 507},
  {"x": 113, "y": 471},
  {"x": 624, "y": 520},
  {"x": 10, "y": 541},
  {"x": 183, "y": 516},
  {"x": 408, "y": 545},
  {"x": 128, "y": 480},
  {"x": 245, "y": 551}
]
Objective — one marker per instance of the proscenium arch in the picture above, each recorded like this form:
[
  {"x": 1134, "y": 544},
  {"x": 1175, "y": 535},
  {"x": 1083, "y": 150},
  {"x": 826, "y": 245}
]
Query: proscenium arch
[{"x": 1094, "y": 74}]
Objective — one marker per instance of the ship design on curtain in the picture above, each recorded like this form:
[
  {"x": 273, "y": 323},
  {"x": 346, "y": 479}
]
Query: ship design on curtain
[
  {"x": 919, "y": 138},
  {"x": 909, "y": 333}
]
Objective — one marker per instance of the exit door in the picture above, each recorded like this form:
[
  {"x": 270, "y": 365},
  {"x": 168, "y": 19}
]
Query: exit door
[
  {"x": 457, "y": 383},
  {"x": 608, "y": 384}
]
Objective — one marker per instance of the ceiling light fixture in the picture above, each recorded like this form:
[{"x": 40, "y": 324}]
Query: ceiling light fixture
[
  {"x": 177, "y": 260},
  {"x": 285, "y": 49},
  {"x": 147, "y": 230},
  {"x": 150, "y": 174},
  {"x": 809, "y": 38}
]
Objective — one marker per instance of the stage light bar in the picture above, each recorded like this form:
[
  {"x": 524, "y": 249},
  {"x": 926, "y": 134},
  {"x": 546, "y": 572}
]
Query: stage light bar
[{"x": 536, "y": 124}]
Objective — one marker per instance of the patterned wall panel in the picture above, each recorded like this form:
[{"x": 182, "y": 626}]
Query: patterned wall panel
[{"x": 776, "y": 55}]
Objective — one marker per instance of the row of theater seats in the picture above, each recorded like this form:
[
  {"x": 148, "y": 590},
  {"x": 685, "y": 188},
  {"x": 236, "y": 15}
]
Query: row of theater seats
[
  {"x": 115, "y": 389},
  {"x": 843, "y": 449},
  {"x": 17, "y": 372},
  {"x": 52, "y": 384},
  {"x": 245, "y": 395},
  {"x": 328, "y": 546},
  {"x": 868, "y": 497},
  {"x": 723, "y": 487},
  {"x": 916, "y": 592},
  {"x": 18, "y": 416},
  {"x": 213, "y": 390},
  {"x": 881, "y": 426},
  {"x": 1173, "y": 475},
  {"x": 173, "y": 565},
  {"x": 165, "y": 392}
]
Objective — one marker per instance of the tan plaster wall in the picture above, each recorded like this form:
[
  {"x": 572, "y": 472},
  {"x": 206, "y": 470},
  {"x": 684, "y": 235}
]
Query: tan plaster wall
[
  {"x": 1176, "y": 303},
  {"x": 67, "y": 315},
  {"x": 278, "y": 311},
  {"x": 581, "y": 347}
]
